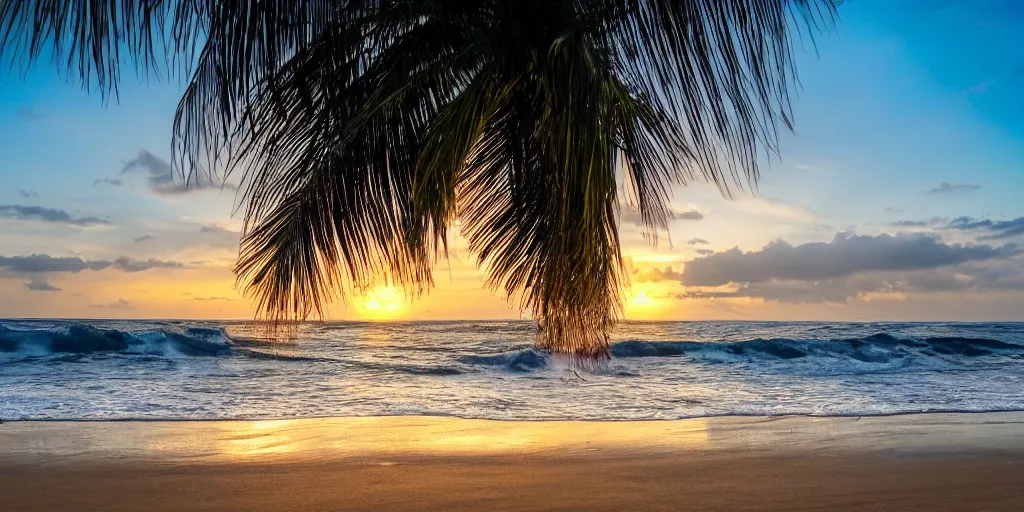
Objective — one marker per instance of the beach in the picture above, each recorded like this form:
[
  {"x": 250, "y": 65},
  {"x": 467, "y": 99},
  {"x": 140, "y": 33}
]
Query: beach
[{"x": 413, "y": 463}]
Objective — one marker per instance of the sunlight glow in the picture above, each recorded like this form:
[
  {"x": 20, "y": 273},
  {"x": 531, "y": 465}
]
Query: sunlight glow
[
  {"x": 383, "y": 303},
  {"x": 640, "y": 301},
  {"x": 640, "y": 305}
]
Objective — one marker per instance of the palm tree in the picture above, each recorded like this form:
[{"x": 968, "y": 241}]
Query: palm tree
[{"x": 361, "y": 130}]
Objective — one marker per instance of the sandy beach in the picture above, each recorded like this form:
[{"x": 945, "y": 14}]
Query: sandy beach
[{"x": 907, "y": 462}]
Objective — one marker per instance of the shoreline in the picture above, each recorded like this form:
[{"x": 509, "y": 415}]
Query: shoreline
[
  {"x": 518, "y": 420},
  {"x": 965, "y": 461},
  {"x": 320, "y": 438}
]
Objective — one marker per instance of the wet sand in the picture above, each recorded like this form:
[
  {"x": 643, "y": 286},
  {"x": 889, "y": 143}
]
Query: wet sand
[{"x": 909, "y": 462}]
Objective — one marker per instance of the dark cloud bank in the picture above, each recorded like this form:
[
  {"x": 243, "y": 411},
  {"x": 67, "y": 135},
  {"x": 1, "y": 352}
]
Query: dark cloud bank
[
  {"x": 845, "y": 255},
  {"x": 990, "y": 229},
  {"x": 848, "y": 266},
  {"x": 41, "y": 263},
  {"x": 50, "y": 215},
  {"x": 985, "y": 229}
]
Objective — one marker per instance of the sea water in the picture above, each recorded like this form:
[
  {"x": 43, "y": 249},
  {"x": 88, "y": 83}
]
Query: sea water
[{"x": 77, "y": 370}]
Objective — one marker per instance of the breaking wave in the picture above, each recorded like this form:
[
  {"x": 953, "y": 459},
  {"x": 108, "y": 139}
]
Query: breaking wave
[
  {"x": 879, "y": 352},
  {"x": 520, "y": 360},
  {"x": 878, "y": 348},
  {"x": 85, "y": 339}
]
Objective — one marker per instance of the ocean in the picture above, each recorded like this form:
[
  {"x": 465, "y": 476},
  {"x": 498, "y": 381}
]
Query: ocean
[{"x": 119, "y": 370}]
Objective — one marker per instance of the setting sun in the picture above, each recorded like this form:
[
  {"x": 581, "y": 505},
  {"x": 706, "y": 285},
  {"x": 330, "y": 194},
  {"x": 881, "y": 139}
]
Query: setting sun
[
  {"x": 640, "y": 301},
  {"x": 642, "y": 306},
  {"x": 383, "y": 303}
]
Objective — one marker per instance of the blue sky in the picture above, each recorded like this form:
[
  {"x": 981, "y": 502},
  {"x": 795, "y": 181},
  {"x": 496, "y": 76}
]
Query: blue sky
[{"x": 910, "y": 116}]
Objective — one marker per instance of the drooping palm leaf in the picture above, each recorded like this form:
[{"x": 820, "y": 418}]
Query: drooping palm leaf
[
  {"x": 363, "y": 129},
  {"x": 539, "y": 197}
]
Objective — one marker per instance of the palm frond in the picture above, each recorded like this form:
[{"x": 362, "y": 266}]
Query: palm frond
[
  {"x": 722, "y": 69},
  {"x": 88, "y": 38},
  {"x": 244, "y": 45},
  {"x": 329, "y": 159},
  {"x": 362, "y": 129},
  {"x": 539, "y": 199},
  {"x": 328, "y": 188}
]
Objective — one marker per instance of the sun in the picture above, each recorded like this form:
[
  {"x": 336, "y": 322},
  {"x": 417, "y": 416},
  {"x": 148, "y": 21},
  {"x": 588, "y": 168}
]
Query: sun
[
  {"x": 642, "y": 306},
  {"x": 383, "y": 303},
  {"x": 640, "y": 301}
]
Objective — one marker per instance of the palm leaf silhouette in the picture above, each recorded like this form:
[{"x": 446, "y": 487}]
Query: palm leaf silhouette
[{"x": 361, "y": 130}]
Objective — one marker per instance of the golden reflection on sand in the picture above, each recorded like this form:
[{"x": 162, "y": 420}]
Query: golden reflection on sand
[
  {"x": 254, "y": 438},
  {"x": 444, "y": 436},
  {"x": 390, "y": 438}
]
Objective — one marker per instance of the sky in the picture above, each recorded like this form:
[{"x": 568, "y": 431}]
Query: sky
[{"x": 898, "y": 197}]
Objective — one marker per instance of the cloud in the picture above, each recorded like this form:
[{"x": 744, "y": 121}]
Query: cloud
[
  {"x": 687, "y": 215},
  {"x": 161, "y": 178},
  {"x": 697, "y": 241},
  {"x": 946, "y": 187},
  {"x": 46, "y": 263},
  {"x": 207, "y": 299},
  {"x": 130, "y": 265},
  {"x": 705, "y": 252},
  {"x": 986, "y": 277},
  {"x": 890, "y": 209},
  {"x": 39, "y": 263},
  {"x": 107, "y": 181},
  {"x": 794, "y": 292},
  {"x": 27, "y": 114},
  {"x": 934, "y": 221},
  {"x": 630, "y": 215},
  {"x": 38, "y": 213},
  {"x": 654, "y": 275},
  {"x": 158, "y": 171},
  {"x": 218, "y": 236},
  {"x": 144, "y": 238},
  {"x": 996, "y": 230},
  {"x": 119, "y": 304},
  {"x": 216, "y": 229},
  {"x": 40, "y": 284},
  {"x": 845, "y": 255},
  {"x": 27, "y": 194}
]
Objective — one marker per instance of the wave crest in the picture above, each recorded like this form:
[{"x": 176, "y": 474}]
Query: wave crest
[
  {"x": 518, "y": 361},
  {"x": 876, "y": 353},
  {"x": 78, "y": 338},
  {"x": 878, "y": 348}
]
